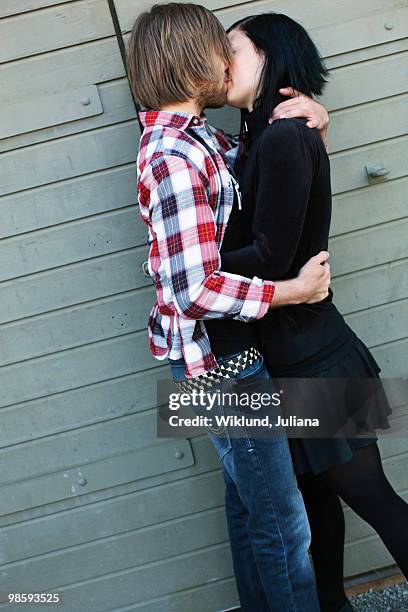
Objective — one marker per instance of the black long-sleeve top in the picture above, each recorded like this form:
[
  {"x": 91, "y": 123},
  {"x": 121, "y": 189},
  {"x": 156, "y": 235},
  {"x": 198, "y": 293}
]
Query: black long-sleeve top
[{"x": 285, "y": 220}]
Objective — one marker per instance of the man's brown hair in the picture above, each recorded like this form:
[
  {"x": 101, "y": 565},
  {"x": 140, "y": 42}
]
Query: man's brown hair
[{"x": 172, "y": 53}]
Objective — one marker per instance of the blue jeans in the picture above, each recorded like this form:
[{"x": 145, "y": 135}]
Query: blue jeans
[{"x": 266, "y": 517}]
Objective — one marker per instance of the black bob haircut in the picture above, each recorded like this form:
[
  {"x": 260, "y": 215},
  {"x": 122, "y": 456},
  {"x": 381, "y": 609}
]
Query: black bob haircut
[{"x": 291, "y": 58}]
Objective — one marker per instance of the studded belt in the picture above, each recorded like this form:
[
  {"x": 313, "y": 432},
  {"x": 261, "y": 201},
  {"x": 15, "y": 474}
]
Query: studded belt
[{"x": 230, "y": 368}]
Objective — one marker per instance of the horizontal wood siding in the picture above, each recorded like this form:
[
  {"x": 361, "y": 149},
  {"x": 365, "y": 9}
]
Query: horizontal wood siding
[{"x": 93, "y": 504}]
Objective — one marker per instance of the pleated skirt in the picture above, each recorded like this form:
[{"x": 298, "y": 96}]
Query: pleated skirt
[{"x": 360, "y": 369}]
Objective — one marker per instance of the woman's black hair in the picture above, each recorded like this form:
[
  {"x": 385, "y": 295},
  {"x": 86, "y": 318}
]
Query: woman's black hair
[{"x": 291, "y": 58}]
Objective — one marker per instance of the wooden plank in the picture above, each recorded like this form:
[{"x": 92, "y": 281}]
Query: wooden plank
[
  {"x": 80, "y": 407},
  {"x": 369, "y": 53},
  {"x": 399, "y": 412},
  {"x": 90, "y": 63},
  {"x": 73, "y": 242},
  {"x": 349, "y": 167},
  {"x": 363, "y": 556},
  {"x": 142, "y": 584},
  {"x": 369, "y": 206},
  {"x": 368, "y": 81},
  {"x": 73, "y": 284},
  {"x": 355, "y": 127},
  {"x": 395, "y": 438},
  {"x": 68, "y": 200},
  {"x": 77, "y": 367},
  {"x": 68, "y": 157},
  {"x": 85, "y": 478},
  {"x": 206, "y": 459},
  {"x": 363, "y": 32},
  {"x": 216, "y": 596},
  {"x": 371, "y": 287},
  {"x": 75, "y": 326},
  {"x": 371, "y": 247},
  {"x": 116, "y": 516},
  {"x": 98, "y": 442},
  {"x": 110, "y": 453},
  {"x": 11, "y": 7},
  {"x": 71, "y": 24},
  {"x": 312, "y": 14},
  {"x": 129, "y": 550},
  {"x": 38, "y": 113},
  {"x": 381, "y": 324},
  {"x": 393, "y": 445},
  {"x": 392, "y": 358},
  {"x": 117, "y": 106}
]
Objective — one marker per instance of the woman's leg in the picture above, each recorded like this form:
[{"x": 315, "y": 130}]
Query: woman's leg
[
  {"x": 326, "y": 519},
  {"x": 362, "y": 484}
]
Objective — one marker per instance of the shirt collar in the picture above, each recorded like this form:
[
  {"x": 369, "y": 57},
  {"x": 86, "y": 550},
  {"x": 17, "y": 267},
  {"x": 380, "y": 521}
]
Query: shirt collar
[{"x": 180, "y": 121}]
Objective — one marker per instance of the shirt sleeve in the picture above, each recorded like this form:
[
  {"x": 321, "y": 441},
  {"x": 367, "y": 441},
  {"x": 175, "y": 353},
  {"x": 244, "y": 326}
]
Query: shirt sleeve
[
  {"x": 184, "y": 230},
  {"x": 285, "y": 177}
]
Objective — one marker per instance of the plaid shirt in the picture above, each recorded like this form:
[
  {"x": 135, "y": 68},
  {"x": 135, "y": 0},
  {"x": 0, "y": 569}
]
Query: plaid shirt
[{"x": 185, "y": 195}]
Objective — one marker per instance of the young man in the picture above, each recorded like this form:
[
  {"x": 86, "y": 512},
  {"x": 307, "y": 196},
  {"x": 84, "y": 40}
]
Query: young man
[{"x": 178, "y": 65}]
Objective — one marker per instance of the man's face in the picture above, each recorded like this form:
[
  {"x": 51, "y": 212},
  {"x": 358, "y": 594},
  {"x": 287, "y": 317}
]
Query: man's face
[{"x": 214, "y": 94}]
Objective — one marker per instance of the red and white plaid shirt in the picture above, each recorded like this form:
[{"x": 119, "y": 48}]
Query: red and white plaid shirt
[{"x": 185, "y": 196}]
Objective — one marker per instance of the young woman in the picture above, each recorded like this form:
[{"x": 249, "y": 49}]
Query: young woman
[{"x": 284, "y": 177}]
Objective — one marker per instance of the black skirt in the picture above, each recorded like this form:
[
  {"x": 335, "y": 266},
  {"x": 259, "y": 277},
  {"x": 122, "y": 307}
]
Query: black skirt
[{"x": 317, "y": 454}]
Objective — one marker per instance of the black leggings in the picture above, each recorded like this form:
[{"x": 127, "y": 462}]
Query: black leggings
[{"x": 362, "y": 484}]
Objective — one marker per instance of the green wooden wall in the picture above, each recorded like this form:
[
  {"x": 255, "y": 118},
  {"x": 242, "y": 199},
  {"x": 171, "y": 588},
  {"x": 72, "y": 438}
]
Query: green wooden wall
[{"x": 92, "y": 504}]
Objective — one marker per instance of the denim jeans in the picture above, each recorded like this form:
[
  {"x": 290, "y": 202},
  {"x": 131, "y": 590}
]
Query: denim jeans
[{"x": 266, "y": 517}]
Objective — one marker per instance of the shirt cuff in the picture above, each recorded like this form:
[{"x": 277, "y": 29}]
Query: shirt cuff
[{"x": 258, "y": 299}]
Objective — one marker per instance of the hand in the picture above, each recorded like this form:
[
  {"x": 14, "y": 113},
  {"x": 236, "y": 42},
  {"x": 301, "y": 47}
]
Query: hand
[
  {"x": 302, "y": 106},
  {"x": 310, "y": 286},
  {"x": 314, "y": 278}
]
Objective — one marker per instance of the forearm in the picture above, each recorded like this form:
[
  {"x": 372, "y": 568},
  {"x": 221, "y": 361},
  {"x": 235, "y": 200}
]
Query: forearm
[
  {"x": 220, "y": 295},
  {"x": 288, "y": 292}
]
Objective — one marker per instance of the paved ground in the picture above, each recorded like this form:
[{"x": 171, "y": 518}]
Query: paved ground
[{"x": 390, "y": 599}]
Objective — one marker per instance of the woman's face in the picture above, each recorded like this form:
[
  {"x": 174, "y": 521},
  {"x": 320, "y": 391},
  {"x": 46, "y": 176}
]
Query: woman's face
[{"x": 245, "y": 71}]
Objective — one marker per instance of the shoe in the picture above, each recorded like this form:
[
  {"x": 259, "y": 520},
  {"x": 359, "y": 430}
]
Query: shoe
[{"x": 346, "y": 607}]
